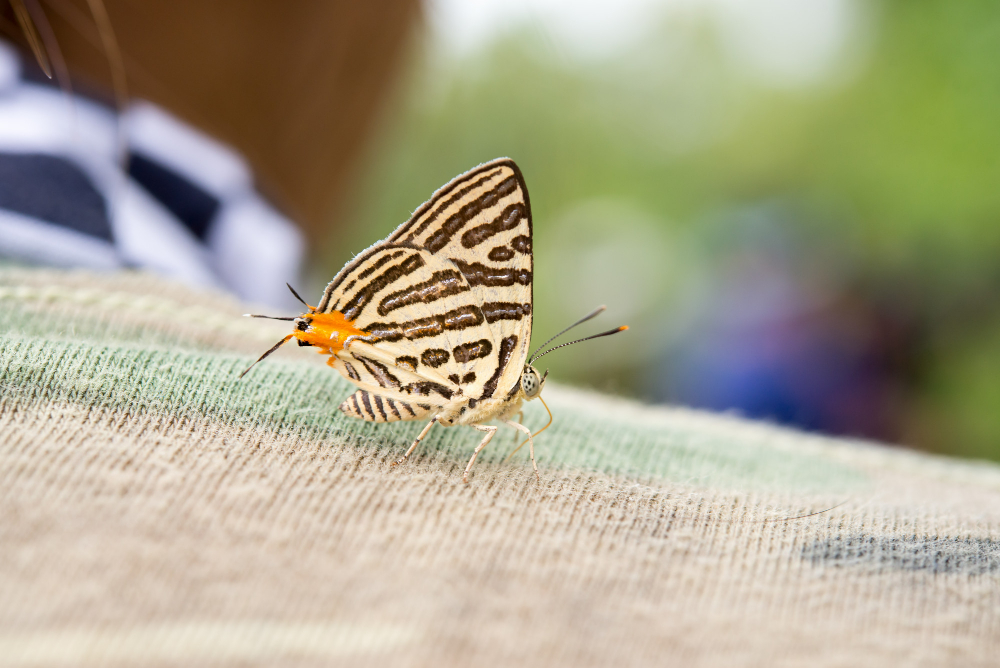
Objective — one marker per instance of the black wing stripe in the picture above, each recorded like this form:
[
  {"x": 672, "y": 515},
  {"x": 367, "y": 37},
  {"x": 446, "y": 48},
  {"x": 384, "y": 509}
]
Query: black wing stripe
[
  {"x": 448, "y": 202},
  {"x": 454, "y": 320},
  {"x": 368, "y": 404},
  {"x": 346, "y": 274},
  {"x": 500, "y": 254},
  {"x": 458, "y": 220},
  {"x": 507, "y": 347},
  {"x": 380, "y": 407},
  {"x": 467, "y": 352},
  {"x": 508, "y": 219},
  {"x": 352, "y": 373},
  {"x": 513, "y": 390},
  {"x": 434, "y": 357},
  {"x": 425, "y": 387},
  {"x": 376, "y": 265},
  {"x": 380, "y": 372},
  {"x": 477, "y": 273},
  {"x": 441, "y": 284},
  {"x": 407, "y": 362},
  {"x": 357, "y": 408},
  {"x": 363, "y": 296},
  {"x": 494, "y": 311},
  {"x": 392, "y": 407},
  {"x": 521, "y": 244}
]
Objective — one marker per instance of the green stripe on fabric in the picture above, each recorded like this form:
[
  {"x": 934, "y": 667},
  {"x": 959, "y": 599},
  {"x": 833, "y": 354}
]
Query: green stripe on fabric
[
  {"x": 82, "y": 311},
  {"x": 26, "y": 321},
  {"x": 302, "y": 399}
]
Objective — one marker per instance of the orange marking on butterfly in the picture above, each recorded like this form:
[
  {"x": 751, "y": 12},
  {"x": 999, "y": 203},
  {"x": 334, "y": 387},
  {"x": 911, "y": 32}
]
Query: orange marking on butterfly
[{"x": 327, "y": 331}]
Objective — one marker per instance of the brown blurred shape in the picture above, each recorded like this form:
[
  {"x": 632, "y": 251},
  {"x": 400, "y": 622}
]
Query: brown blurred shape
[{"x": 295, "y": 86}]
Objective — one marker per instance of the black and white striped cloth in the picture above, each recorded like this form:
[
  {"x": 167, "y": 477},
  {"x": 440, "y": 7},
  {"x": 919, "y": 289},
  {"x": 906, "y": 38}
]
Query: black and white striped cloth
[{"x": 185, "y": 207}]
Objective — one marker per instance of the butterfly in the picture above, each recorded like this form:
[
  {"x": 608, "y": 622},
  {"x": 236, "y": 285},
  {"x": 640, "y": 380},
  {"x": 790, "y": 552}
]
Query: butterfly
[{"x": 434, "y": 322}]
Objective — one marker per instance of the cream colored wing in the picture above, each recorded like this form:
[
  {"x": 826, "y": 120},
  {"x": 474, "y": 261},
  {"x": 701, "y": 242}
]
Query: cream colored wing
[
  {"x": 426, "y": 340},
  {"x": 450, "y": 291},
  {"x": 481, "y": 222}
]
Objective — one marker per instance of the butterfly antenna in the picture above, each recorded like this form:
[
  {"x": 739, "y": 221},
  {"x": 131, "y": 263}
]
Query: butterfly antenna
[
  {"x": 273, "y": 348},
  {"x": 311, "y": 308},
  {"x": 586, "y": 338},
  {"x": 593, "y": 314},
  {"x": 269, "y": 317}
]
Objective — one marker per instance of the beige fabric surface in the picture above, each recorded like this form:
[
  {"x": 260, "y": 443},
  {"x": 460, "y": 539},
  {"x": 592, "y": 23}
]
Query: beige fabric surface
[{"x": 156, "y": 512}]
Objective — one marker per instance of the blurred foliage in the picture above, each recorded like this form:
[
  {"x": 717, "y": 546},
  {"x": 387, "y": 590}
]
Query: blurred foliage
[{"x": 890, "y": 164}]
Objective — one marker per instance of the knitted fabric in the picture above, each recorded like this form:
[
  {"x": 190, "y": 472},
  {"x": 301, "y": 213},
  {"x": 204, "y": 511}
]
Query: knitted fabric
[{"x": 157, "y": 511}]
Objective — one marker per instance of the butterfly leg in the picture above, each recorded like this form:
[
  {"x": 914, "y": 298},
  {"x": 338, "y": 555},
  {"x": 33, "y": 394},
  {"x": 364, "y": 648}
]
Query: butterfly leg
[
  {"x": 489, "y": 434},
  {"x": 413, "y": 447},
  {"x": 520, "y": 419},
  {"x": 531, "y": 444}
]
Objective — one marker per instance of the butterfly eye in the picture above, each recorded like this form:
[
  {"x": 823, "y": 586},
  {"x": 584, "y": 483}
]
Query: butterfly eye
[{"x": 530, "y": 383}]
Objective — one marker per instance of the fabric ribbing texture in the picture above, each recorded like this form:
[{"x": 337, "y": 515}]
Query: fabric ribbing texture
[{"x": 158, "y": 512}]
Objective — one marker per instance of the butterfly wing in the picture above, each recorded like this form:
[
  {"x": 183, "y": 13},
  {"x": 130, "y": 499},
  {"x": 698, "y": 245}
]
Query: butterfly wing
[
  {"x": 425, "y": 338},
  {"x": 376, "y": 407},
  {"x": 481, "y": 222},
  {"x": 445, "y": 301}
]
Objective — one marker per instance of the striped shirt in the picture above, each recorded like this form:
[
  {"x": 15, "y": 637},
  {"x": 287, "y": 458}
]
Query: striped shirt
[{"x": 82, "y": 186}]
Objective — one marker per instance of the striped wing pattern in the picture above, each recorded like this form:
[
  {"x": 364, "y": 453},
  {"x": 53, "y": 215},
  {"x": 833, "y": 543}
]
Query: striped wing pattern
[
  {"x": 374, "y": 407},
  {"x": 445, "y": 301}
]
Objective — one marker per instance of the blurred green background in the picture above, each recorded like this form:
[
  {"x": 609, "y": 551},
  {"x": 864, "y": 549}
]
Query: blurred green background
[{"x": 794, "y": 205}]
